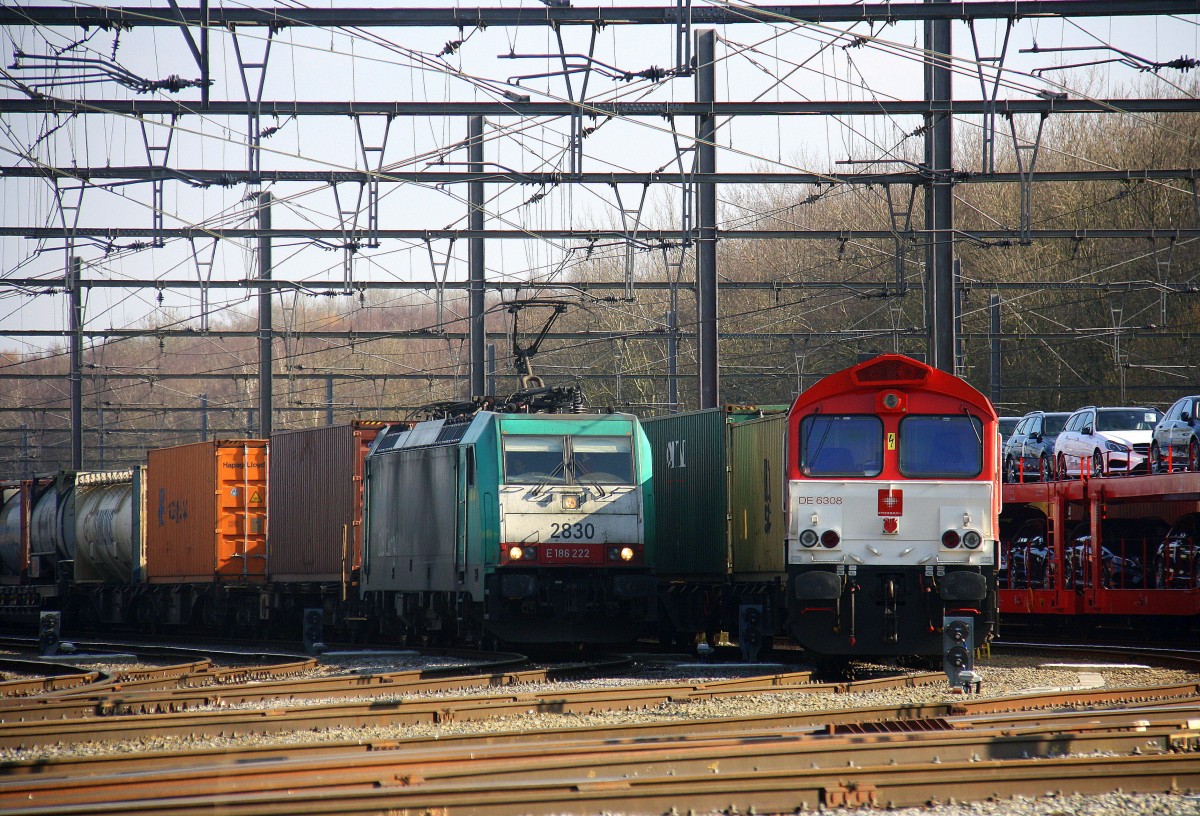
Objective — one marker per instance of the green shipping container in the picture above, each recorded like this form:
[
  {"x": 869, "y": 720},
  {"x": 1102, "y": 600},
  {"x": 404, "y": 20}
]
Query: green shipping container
[{"x": 718, "y": 484}]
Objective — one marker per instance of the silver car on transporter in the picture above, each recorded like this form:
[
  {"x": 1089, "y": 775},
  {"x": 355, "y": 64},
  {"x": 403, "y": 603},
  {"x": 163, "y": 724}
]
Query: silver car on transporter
[
  {"x": 1176, "y": 441},
  {"x": 1105, "y": 441}
]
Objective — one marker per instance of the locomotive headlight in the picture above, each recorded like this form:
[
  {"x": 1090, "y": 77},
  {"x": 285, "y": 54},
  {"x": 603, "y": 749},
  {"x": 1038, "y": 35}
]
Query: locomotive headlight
[
  {"x": 950, "y": 539},
  {"x": 515, "y": 553},
  {"x": 830, "y": 538},
  {"x": 621, "y": 553},
  {"x": 809, "y": 538},
  {"x": 971, "y": 540}
]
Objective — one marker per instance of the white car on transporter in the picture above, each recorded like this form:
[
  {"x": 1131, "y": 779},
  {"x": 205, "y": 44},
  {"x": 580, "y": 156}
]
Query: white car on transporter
[{"x": 1104, "y": 441}]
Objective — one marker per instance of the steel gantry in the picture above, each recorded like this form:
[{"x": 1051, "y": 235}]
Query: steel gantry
[{"x": 692, "y": 176}]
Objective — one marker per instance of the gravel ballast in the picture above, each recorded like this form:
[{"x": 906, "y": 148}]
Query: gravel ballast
[{"x": 1002, "y": 676}]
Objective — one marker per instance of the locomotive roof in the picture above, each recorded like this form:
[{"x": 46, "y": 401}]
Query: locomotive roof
[
  {"x": 468, "y": 431},
  {"x": 896, "y": 371}
]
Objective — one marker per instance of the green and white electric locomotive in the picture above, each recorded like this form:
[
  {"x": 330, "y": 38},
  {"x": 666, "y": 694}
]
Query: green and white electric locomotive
[{"x": 513, "y": 527}]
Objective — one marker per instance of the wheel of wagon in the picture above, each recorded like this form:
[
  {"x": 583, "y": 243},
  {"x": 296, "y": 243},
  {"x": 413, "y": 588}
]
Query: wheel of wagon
[
  {"x": 147, "y": 617},
  {"x": 207, "y": 616}
]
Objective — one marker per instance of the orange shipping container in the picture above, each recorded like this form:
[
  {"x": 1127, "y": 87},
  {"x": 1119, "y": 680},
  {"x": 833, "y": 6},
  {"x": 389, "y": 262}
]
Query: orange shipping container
[{"x": 207, "y": 512}]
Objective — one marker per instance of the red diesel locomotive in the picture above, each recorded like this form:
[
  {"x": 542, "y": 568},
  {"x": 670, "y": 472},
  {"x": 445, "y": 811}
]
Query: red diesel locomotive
[{"x": 893, "y": 498}]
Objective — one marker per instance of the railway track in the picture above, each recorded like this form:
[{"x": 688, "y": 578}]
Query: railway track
[
  {"x": 831, "y": 762},
  {"x": 391, "y": 701},
  {"x": 174, "y": 689},
  {"x": 1137, "y": 739}
]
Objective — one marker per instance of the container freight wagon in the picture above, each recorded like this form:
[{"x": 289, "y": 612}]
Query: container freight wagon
[
  {"x": 1115, "y": 552},
  {"x": 719, "y": 484},
  {"x": 315, "y": 543},
  {"x": 110, "y": 547},
  {"x": 511, "y": 527},
  {"x": 206, "y": 537},
  {"x": 37, "y": 545},
  {"x": 62, "y": 535},
  {"x": 316, "y": 488},
  {"x": 37, "y": 536}
]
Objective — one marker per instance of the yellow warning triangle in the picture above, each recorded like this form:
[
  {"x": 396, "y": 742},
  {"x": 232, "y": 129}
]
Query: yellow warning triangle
[{"x": 255, "y": 498}]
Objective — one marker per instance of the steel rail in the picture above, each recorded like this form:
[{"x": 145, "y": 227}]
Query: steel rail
[
  {"x": 1180, "y": 657},
  {"x": 159, "y": 677},
  {"x": 863, "y": 721},
  {"x": 387, "y": 712},
  {"x": 533, "y": 762},
  {"x": 56, "y": 697},
  {"x": 790, "y": 788},
  {"x": 619, "y": 768},
  {"x": 163, "y": 680},
  {"x": 204, "y": 691},
  {"x": 25, "y": 687}
]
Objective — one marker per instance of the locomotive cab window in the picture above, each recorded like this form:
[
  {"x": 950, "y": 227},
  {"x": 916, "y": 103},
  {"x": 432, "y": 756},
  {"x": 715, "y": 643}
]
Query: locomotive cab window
[
  {"x": 846, "y": 445},
  {"x": 583, "y": 460},
  {"x": 535, "y": 460},
  {"x": 941, "y": 446},
  {"x": 602, "y": 459}
]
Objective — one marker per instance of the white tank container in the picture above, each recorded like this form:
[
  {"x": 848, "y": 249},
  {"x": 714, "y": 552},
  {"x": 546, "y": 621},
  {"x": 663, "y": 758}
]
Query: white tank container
[{"x": 109, "y": 533}]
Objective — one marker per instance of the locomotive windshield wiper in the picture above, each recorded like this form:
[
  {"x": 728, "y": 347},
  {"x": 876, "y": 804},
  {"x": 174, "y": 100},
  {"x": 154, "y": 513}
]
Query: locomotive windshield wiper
[
  {"x": 971, "y": 422},
  {"x": 549, "y": 476},
  {"x": 811, "y": 454},
  {"x": 581, "y": 472}
]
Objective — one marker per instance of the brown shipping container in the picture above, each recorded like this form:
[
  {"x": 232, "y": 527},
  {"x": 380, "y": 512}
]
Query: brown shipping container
[
  {"x": 207, "y": 512},
  {"x": 316, "y": 501}
]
